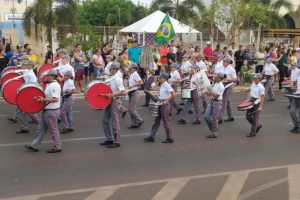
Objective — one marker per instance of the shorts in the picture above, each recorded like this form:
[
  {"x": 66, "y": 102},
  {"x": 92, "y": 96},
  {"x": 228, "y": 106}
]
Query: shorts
[
  {"x": 86, "y": 71},
  {"x": 79, "y": 74}
]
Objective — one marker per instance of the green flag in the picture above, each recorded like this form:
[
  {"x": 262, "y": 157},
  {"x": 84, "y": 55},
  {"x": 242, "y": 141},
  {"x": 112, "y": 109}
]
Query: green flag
[{"x": 165, "y": 31}]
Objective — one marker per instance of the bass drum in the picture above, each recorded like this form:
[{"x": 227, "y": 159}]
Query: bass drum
[
  {"x": 42, "y": 79},
  {"x": 44, "y": 68},
  {"x": 9, "y": 75},
  {"x": 245, "y": 105},
  {"x": 94, "y": 92},
  {"x": 26, "y": 98},
  {"x": 9, "y": 90},
  {"x": 8, "y": 69}
]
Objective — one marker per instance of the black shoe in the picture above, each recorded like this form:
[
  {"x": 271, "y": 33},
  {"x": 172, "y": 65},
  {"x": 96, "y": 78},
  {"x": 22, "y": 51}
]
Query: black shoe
[
  {"x": 67, "y": 130},
  {"x": 170, "y": 114},
  {"x": 168, "y": 140},
  {"x": 182, "y": 104},
  {"x": 132, "y": 126},
  {"x": 211, "y": 136},
  {"x": 271, "y": 99},
  {"x": 251, "y": 135},
  {"x": 22, "y": 131},
  {"x": 113, "y": 145},
  {"x": 54, "y": 150},
  {"x": 220, "y": 121},
  {"x": 230, "y": 119},
  {"x": 179, "y": 111},
  {"x": 258, "y": 128},
  {"x": 145, "y": 105},
  {"x": 149, "y": 139},
  {"x": 288, "y": 107},
  {"x": 294, "y": 129},
  {"x": 33, "y": 122},
  {"x": 181, "y": 121},
  {"x": 31, "y": 148},
  {"x": 124, "y": 114},
  {"x": 140, "y": 123},
  {"x": 191, "y": 112},
  {"x": 196, "y": 122},
  {"x": 106, "y": 142},
  {"x": 12, "y": 120},
  {"x": 58, "y": 121}
]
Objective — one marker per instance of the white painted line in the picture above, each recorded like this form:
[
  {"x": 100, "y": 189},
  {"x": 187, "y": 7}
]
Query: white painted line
[
  {"x": 171, "y": 189},
  {"x": 294, "y": 182},
  {"x": 233, "y": 186},
  {"x": 102, "y": 194}
]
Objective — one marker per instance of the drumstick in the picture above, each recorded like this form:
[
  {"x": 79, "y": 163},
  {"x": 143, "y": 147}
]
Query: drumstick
[{"x": 16, "y": 78}]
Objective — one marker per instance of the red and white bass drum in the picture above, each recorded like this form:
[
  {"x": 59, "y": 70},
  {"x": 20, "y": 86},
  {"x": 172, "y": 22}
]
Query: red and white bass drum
[{"x": 94, "y": 95}]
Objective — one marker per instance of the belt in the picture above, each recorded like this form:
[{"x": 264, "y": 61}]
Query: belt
[
  {"x": 213, "y": 99},
  {"x": 52, "y": 109},
  {"x": 131, "y": 92}
]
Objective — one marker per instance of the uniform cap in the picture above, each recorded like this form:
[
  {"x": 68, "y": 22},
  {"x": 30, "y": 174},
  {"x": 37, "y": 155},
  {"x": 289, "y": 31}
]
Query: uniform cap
[
  {"x": 68, "y": 73},
  {"x": 51, "y": 72},
  {"x": 133, "y": 65},
  {"x": 164, "y": 75},
  {"x": 27, "y": 63},
  {"x": 115, "y": 65},
  {"x": 64, "y": 51},
  {"x": 208, "y": 42},
  {"x": 220, "y": 75},
  {"x": 258, "y": 75},
  {"x": 269, "y": 58},
  {"x": 227, "y": 60}
]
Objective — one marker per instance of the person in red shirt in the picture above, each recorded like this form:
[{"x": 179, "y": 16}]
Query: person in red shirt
[
  {"x": 208, "y": 51},
  {"x": 163, "y": 52}
]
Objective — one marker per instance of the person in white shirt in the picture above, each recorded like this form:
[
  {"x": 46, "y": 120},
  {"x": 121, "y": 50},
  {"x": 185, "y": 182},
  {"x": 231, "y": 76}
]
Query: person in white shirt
[
  {"x": 295, "y": 108},
  {"x": 218, "y": 67},
  {"x": 134, "y": 82},
  {"x": 199, "y": 62},
  {"x": 166, "y": 94},
  {"x": 66, "y": 111},
  {"x": 65, "y": 66},
  {"x": 228, "y": 82},
  {"x": 295, "y": 73},
  {"x": 257, "y": 95},
  {"x": 110, "y": 121},
  {"x": 195, "y": 99},
  {"x": 213, "y": 109},
  {"x": 173, "y": 81},
  {"x": 150, "y": 78},
  {"x": 270, "y": 71},
  {"x": 49, "y": 115}
]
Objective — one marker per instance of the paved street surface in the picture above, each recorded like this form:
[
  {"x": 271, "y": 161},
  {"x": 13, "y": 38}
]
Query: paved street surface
[{"x": 230, "y": 167}]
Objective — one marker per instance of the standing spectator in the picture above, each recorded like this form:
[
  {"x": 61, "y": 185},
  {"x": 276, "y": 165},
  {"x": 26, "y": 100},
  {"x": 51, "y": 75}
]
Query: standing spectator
[
  {"x": 260, "y": 57},
  {"x": 32, "y": 56},
  {"x": 232, "y": 48},
  {"x": 79, "y": 60},
  {"x": 163, "y": 52},
  {"x": 283, "y": 67},
  {"x": 134, "y": 55},
  {"x": 239, "y": 59},
  {"x": 56, "y": 57},
  {"x": 3, "y": 62},
  {"x": 249, "y": 55},
  {"x": 105, "y": 52},
  {"x": 9, "y": 51},
  {"x": 179, "y": 54},
  {"x": 171, "y": 59},
  {"x": 217, "y": 51},
  {"x": 49, "y": 54},
  {"x": 19, "y": 56},
  {"x": 98, "y": 62},
  {"x": 207, "y": 51}
]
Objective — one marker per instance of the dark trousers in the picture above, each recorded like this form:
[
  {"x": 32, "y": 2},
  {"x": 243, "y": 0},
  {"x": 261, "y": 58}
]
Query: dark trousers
[
  {"x": 253, "y": 117},
  {"x": 163, "y": 115}
]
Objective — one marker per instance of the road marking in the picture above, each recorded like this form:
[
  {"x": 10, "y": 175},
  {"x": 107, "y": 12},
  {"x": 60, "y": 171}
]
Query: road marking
[
  {"x": 171, "y": 189},
  {"x": 294, "y": 182},
  {"x": 102, "y": 194},
  {"x": 233, "y": 186}
]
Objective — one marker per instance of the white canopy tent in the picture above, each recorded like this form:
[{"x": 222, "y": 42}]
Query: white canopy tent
[{"x": 151, "y": 23}]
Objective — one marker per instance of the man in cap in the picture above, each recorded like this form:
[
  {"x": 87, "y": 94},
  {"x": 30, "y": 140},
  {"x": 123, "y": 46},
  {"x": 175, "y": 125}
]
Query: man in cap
[
  {"x": 270, "y": 71},
  {"x": 199, "y": 62},
  {"x": 166, "y": 94},
  {"x": 65, "y": 66},
  {"x": 173, "y": 81},
  {"x": 219, "y": 65},
  {"x": 208, "y": 51},
  {"x": 19, "y": 56},
  {"x": 66, "y": 111},
  {"x": 134, "y": 82},
  {"x": 257, "y": 95},
  {"x": 295, "y": 108},
  {"x": 110, "y": 121},
  {"x": 212, "y": 111},
  {"x": 50, "y": 115}
]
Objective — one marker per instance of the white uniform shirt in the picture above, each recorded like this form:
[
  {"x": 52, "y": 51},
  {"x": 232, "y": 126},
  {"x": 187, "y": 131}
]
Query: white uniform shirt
[
  {"x": 270, "y": 69},
  {"x": 201, "y": 65},
  {"x": 30, "y": 77},
  {"x": 230, "y": 72},
  {"x": 295, "y": 73},
  {"x": 256, "y": 90},
  {"x": 165, "y": 91},
  {"x": 53, "y": 90},
  {"x": 298, "y": 86},
  {"x": 185, "y": 67},
  {"x": 134, "y": 78},
  {"x": 68, "y": 86},
  {"x": 174, "y": 77},
  {"x": 219, "y": 67},
  {"x": 65, "y": 68},
  {"x": 153, "y": 67},
  {"x": 194, "y": 82},
  {"x": 219, "y": 89},
  {"x": 116, "y": 84}
]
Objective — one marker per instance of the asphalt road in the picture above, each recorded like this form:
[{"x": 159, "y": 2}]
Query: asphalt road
[{"x": 194, "y": 167}]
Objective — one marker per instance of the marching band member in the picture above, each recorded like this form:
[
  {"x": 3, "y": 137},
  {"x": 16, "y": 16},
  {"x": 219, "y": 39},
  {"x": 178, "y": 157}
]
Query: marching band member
[
  {"x": 257, "y": 96},
  {"x": 195, "y": 99},
  {"x": 199, "y": 62},
  {"x": 166, "y": 94},
  {"x": 110, "y": 121},
  {"x": 269, "y": 71},
  {"x": 150, "y": 78},
  {"x": 228, "y": 82},
  {"x": 295, "y": 109},
  {"x": 173, "y": 81},
  {"x": 213, "y": 109},
  {"x": 135, "y": 82},
  {"x": 49, "y": 115},
  {"x": 66, "y": 111},
  {"x": 295, "y": 73},
  {"x": 218, "y": 67},
  {"x": 29, "y": 77}
]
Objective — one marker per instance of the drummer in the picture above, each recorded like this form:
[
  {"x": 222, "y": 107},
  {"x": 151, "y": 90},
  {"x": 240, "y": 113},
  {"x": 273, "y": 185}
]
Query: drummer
[
  {"x": 66, "y": 111},
  {"x": 29, "y": 77},
  {"x": 195, "y": 99},
  {"x": 295, "y": 109},
  {"x": 49, "y": 115},
  {"x": 257, "y": 95},
  {"x": 135, "y": 82},
  {"x": 150, "y": 78},
  {"x": 166, "y": 94},
  {"x": 213, "y": 109},
  {"x": 110, "y": 121},
  {"x": 270, "y": 71},
  {"x": 173, "y": 81},
  {"x": 295, "y": 73}
]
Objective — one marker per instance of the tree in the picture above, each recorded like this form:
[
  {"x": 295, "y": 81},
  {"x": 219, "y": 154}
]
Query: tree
[{"x": 49, "y": 14}]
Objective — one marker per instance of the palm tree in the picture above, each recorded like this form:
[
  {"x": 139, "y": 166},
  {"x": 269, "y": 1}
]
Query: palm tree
[
  {"x": 51, "y": 14},
  {"x": 184, "y": 10}
]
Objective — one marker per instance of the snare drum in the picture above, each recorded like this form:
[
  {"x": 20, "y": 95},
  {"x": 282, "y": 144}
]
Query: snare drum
[
  {"x": 186, "y": 93},
  {"x": 245, "y": 105},
  {"x": 286, "y": 83},
  {"x": 26, "y": 98},
  {"x": 293, "y": 95},
  {"x": 9, "y": 75},
  {"x": 154, "y": 108},
  {"x": 94, "y": 95},
  {"x": 9, "y": 90}
]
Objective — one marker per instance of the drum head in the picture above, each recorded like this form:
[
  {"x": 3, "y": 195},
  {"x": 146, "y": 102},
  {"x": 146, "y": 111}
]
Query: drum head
[
  {"x": 44, "y": 68},
  {"x": 245, "y": 104},
  {"x": 9, "y": 75},
  {"x": 8, "y": 69},
  {"x": 93, "y": 95},
  {"x": 26, "y": 99},
  {"x": 9, "y": 90}
]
